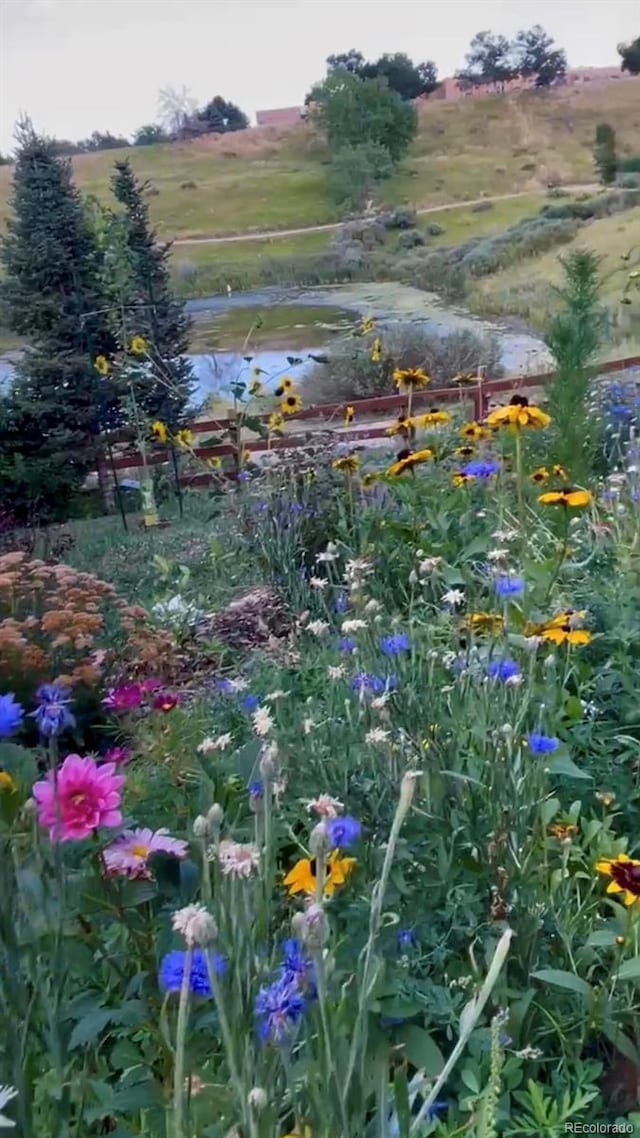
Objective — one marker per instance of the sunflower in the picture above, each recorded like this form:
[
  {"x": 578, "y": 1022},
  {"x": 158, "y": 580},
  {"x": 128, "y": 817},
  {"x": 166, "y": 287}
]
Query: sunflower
[
  {"x": 568, "y": 497},
  {"x": 480, "y": 622},
  {"x": 159, "y": 431},
  {"x": 290, "y": 404},
  {"x": 433, "y": 418},
  {"x": 518, "y": 413},
  {"x": 215, "y": 462},
  {"x": 255, "y": 387},
  {"x": 102, "y": 365},
  {"x": 348, "y": 415},
  {"x": 540, "y": 475},
  {"x": 464, "y": 452},
  {"x": 275, "y": 422},
  {"x": 348, "y": 464},
  {"x": 376, "y": 350},
  {"x": 370, "y": 477},
  {"x": 559, "y": 472},
  {"x": 461, "y": 479},
  {"x": 567, "y": 619},
  {"x": 184, "y": 437},
  {"x": 410, "y": 378},
  {"x": 401, "y": 424},
  {"x": 283, "y": 387},
  {"x": 474, "y": 431},
  {"x": 407, "y": 461},
  {"x": 625, "y": 876},
  {"x": 563, "y": 831},
  {"x": 302, "y": 878},
  {"x": 565, "y": 634},
  {"x": 138, "y": 345},
  {"x": 366, "y": 325}
]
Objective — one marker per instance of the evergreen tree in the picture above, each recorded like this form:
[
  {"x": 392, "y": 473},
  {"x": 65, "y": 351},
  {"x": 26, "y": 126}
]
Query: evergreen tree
[
  {"x": 149, "y": 307},
  {"x": 52, "y": 295},
  {"x": 605, "y": 156}
]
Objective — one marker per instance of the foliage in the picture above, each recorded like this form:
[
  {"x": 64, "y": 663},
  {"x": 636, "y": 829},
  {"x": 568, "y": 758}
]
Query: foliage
[
  {"x": 352, "y": 111},
  {"x": 605, "y": 156},
  {"x": 149, "y": 135},
  {"x": 401, "y": 75},
  {"x": 537, "y": 57},
  {"x": 103, "y": 140},
  {"x": 488, "y": 60},
  {"x": 493, "y": 59},
  {"x": 630, "y": 56},
  {"x": 356, "y": 171},
  {"x": 221, "y": 116}
]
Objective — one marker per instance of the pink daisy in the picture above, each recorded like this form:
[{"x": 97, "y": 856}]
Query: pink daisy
[
  {"x": 129, "y": 853},
  {"x": 126, "y": 697},
  {"x": 78, "y": 799},
  {"x": 117, "y": 755},
  {"x": 166, "y": 701}
]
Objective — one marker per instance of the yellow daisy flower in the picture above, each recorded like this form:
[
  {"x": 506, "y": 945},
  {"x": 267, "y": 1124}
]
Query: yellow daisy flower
[
  {"x": 102, "y": 365},
  {"x": 302, "y": 878},
  {"x": 410, "y": 378},
  {"x": 138, "y": 345},
  {"x": 159, "y": 431},
  {"x": 625, "y": 876},
  {"x": 291, "y": 404},
  {"x": 569, "y": 498},
  {"x": 348, "y": 464},
  {"x": 409, "y": 461},
  {"x": 518, "y": 413}
]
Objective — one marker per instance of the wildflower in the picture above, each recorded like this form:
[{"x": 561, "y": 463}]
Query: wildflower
[
  {"x": 256, "y": 789},
  {"x": 172, "y": 971},
  {"x": 497, "y": 554},
  {"x": 215, "y": 462},
  {"x": 196, "y": 925},
  {"x": 184, "y": 437},
  {"x": 302, "y": 877},
  {"x": 346, "y": 644},
  {"x": 138, "y": 345},
  {"x": 481, "y": 468},
  {"x": 480, "y": 622},
  {"x": 81, "y": 798},
  {"x": 238, "y": 859},
  {"x": 541, "y": 744},
  {"x": 159, "y": 431},
  {"x": 283, "y": 387},
  {"x": 278, "y": 1009},
  {"x": 518, "y": 413},
  {"x": 6, "y": 1095},
  {"x": 336, "y": 671},
  {"x": 399, "y": 426},
  {"x": 102, "y": 365},
  {"x": 606, "y": 797},
  {"x": 392, "y": 645},
  {"x": 563, "y": 831},
  {"x": 348, "y": 415},
  {"x": 318, "y": 627},
  {"x": 255, "y": 387},
  {"x": 565, "y": 634},
  {"x": 127, "y": 697},
  {"x": 406, "y": 938},
  {"x": 409, "y": 461},
  {"x": 165, "y": 701},
  {"x": 504, "y": 670},
  {"x": 376, "y": 350},
  {"x": 433, "y": 418},
  {"x": 219, "y": 744},
  {"x": 11, "y": 714},
  {"x": 453, "y": 597},
  {"x": 409, "y": 378},
  {"x": 329, "y": 554},
  {"x": 52, "y": 714},
  {"x": 460, "y": 478},
  {"x": 505, "y": 535},
  {"x": 318, "y": 582},
  {"x": 249, "y": 702},
  {"x": 509, "y": 586},
  {"x": 308, "y": 724},
  {"x": 559, "y": 472},
  {"x": 376, "y": 736},
  {"x": 540, "y": 475},
  {"x": 291, "y": 404},
  {"x": 370, "y": 477},
  {"x": 325, "y": 806},
  {"x": 625, "y": 876},
  {"x": 128, "y": 855},
  {"x": 464, "y": 452},
  {"x": 262, "y": 722},
  {"x": 354, "y": 625},
  {"x": 474, "y": 431},
  {"x": 364, "y": 682},
  {"x": 275, "y": 422},
  {"x": 429, "y": 565},
  {"x": 341, "y": 602},
  {"x": 568, "y": 497},
  {"x": 296, "y": 968},
  {"x": 366, "y": 325},
  {"x": 348, "y": 464},
  {"x": 343, "y": 831}
]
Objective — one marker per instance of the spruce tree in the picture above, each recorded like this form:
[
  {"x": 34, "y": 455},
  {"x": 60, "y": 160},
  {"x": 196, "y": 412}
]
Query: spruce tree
[
  {"x": 52, "y": 295},
  {"x": 149, "y": 307}
]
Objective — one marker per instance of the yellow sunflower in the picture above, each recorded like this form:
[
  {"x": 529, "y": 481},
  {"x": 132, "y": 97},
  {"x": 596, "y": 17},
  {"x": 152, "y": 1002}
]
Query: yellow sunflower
[
  {"x": 474, "y": 431},
  {"x": 302, "y": 878},
  {"x": 480, "y": 622},
  {"x": 283, "y": 387},
  {"x": 184, "y": 437},
  {"x": 291, "y": 404},
  {"x": 625, "y": 876},
  {"x": 568, "y": 498},
  {"x": 540, "y": 476},
  {"x": 215, "y": 462},
  {"x": 410, "y": 378},
  {"x": 102, "y": 365},
  {"x": 464, "y": 452},
  {"x": 256, "y": 387},
  {"x": 275, "y": 422},
  {"x": 409, "y": 461},
  {"x": 401, "y": 424},
  {"x": 348, "y": 464},
  {"x": 432, "y": 418},
  {"x": 348, "y": 415},
  {"x": 376, "y": 350},
  {"x": 138, "y": 345},
  {"x": 518, "y": 413},
  {"x": 159, "y": 431}
]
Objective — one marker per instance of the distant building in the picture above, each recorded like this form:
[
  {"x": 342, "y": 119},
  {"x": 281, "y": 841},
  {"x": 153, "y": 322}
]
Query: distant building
[
  {"x": 450, "y": 90},
  {"x": 281, "y": 116}
]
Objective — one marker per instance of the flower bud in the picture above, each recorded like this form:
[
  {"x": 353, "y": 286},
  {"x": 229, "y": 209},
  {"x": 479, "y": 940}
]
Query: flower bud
[
  {"x": 257, "y": 1099},
  {"x": 319, "y": 840},
  {"x": 215, "y": 814},
  {"x": 196, "y": 924},
  {"x": 200, "y": 826}
]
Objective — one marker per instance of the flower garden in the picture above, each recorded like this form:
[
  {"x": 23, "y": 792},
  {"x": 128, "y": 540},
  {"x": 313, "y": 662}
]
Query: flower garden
[{"x": 324, "y": 824}]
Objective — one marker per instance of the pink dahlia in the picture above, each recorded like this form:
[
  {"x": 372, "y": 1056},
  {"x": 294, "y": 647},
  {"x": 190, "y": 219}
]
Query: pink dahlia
[
  {"x": 129, "y": 853},
  {"x": 83, "y": 796},
  {"x": 126, "y": 697}
]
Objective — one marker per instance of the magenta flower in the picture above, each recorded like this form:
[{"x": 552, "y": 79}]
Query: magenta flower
[
  {"x": 166, "y": 701},
  {"x": 117, "y": 755},
  {"x": 128, "y": 854},
  {"x": 126, "y": 697},
  {"x": 82, "y": 797},
  {"x": 150, "y": 685}
]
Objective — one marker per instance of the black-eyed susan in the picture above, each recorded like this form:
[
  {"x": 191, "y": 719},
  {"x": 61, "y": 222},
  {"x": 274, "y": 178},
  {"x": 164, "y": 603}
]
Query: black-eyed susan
[
  {"x": 283, "y": 387},
  {"x": 348, "y": 464},
  {"x": 464, "y": 452},
  {"x": 408, "y": 461},
  {"x": 563, "y": 831},
  {"x": 400, "y": 425},
  {"x": 256, "y": 387},
  {"x": 566, "y": 634},
  {"x": 184, "y": 437},
  {"x": 410, "y": 378},
  {"x": 275, "y": 422},
  {"x": 215, "y": 462},
  {"x": 465, "y": 377},
  {"x": 479, "y": 622},
  {"x": 559, "y": 471},
  {"x": 460, "y": 478},
  {"x": 370, "y": 477},
  {"x": 159, "y": 431},
  {"x": 102, "y": 365},
  {"x": 138, "y": 345},
  {"x": 567, "y": 620},
  {"x": 376, "y": 350},
  {"x": 540, "y": 476},
  {"x": 348, "y": 415},
  {"x": 366, "y": 325},
  {"x": 302, "y": 878},
  {"x": 433, "y": 418},
  {"x": 474, "y": 431},
  {"x": 291, "y": 404},
  {"x": 518, "y": 413},
  {"x": 569, "y": 498},
  {"x": 624, "y": 872}
]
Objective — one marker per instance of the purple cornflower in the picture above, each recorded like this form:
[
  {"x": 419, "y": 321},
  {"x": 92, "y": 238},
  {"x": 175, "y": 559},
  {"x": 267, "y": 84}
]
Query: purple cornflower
[
  {"x": 341, "y": 602},
  {"x": 225, "y": 687},
  {"x": 392, "y": 645},
  {"x": 504, "y": 670},
  {"x": 298, "y": 969},
  {"x": 406, "y": 938},
  {"x": 256, "y": 789},
  {"x": 541, "y": 744},
  {"x": 278, "y": 1008},
  {"x": 346, "y": 644},
  {"x": 343, "y": 831},
  {"x": 10, "y": 715},
  {"x": 364, "y": 682},
  {"x": 509, "y": 586},
  {"x": 172, "y": 971},
  {"x": 481, "y": 468},
  {"x": 250, "y": 702},
  {"x": 53, "y": 715}
]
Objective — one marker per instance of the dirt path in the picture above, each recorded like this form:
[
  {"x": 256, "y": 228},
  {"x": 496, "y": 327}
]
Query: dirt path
[{"x": 266, "y": 235}]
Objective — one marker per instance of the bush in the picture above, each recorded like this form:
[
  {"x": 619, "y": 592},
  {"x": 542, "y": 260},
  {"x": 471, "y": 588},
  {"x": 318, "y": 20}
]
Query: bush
[
  {"x": 628, "y": 181},
  {"x": 434, "y": 229},
  {"x": 355, "y": 172},
  {"x": 482, "y": 207},
  {"x": 368, "y": 233},
  {"x": 402, "y": 217},
  {"x": 629, "y": 165},
  {"x": 604, "y": 205},
  {"x": 189, "y": 185},
  {"x": 410, "y": 239}
]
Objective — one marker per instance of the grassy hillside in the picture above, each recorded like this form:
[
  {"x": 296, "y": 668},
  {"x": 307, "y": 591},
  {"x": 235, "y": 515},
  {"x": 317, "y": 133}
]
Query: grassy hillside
[{"x": 274, "y": 179}]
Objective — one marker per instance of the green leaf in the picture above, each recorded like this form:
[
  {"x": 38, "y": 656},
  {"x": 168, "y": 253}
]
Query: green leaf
[
  {"x": 421, "y": 1050},
  {"x": 562, "y": 764},
  {"x": 630, "y": 970},
  {"x": 549, "y": 809},
  {"x": 89, "y": 1027},
  {"x": 401, "y": 1100},
  {"x": 470, "y": 1080},
  {"x": 141, "y": 1096},
  {"x": 560, "y": 979}
]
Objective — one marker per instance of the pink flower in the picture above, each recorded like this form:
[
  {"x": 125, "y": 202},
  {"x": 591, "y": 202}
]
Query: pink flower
[
  {"x": 81, "y": 798},
  {"x": 166, "y": 701},
  {"x": 129, "y": 853},
  {"x": 124, "y": 698},
  {"x": 117, "y": 755},
  {"x": 150, "y": 685},
  {"x": 325, "y": 806},
  {"x": 238, "y": 859}
]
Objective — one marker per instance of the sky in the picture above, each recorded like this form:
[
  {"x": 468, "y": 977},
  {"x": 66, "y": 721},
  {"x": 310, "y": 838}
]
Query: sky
[{"x": 81, "y": 65}]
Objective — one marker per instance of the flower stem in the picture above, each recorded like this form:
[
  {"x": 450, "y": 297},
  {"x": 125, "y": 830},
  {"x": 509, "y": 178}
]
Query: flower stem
[{"x": 178, "y": 1070}]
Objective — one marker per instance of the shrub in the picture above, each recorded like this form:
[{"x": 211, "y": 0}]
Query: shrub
[
  {"x": 628, "y": 181},
  {"x": 189, "y": 185},
  {"x": 482, "y": 207},
  {"x": 368, "y": 233},
  {"x": 402, "y": 217},
  {"x": 629, "y": 165},
  {"x": 355, "y": 172},
  {"x": 434, "y": 229},
  {"x": 410, "y": 239}
]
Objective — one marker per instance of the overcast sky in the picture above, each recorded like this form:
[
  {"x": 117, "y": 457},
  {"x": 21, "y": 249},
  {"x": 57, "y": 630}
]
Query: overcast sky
[{"x": 80, "y": 65}]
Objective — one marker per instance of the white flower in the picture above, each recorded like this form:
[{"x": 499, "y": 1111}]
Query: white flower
[
  {"x": 356, "y": 571},
  {"x": 532, "y": 643},
  {"x": 325, "y": 806},
  {"x": 336, "y": 671},
  {"x": 372, "y": 606},
  {"x": 6, "y": 1095},
  {"x": 238, "y": 859},
  {"x": 318, "y": 627},
  {"x": 429, "y": 565},
  {"x": 196, "y": 925},
  {"x": 308, "y": 725},
  {"x": 514, "y": 681},
  {"x": 453, "y": 597},
  {"x": 497, "y": 554},
  {"x": 529, "y": 1053},
  {"x": 318, "y": 582},
  {"x": 505, "y": 534},
  {"x": 208, "y": 744},
  {"x": 376, "y": 735},
  {"x": 329, "y": 554},
  {"x": 353, "y": 625},
  {"x": 380, "y": 701},
  {"x": 239, "y": 684},
  {"x": 272, "y": 696},
  {"x": 262, "y": 721}
]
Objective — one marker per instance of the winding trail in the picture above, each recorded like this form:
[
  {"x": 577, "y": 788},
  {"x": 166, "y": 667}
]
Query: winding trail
[{"x": 267, "y": 235}]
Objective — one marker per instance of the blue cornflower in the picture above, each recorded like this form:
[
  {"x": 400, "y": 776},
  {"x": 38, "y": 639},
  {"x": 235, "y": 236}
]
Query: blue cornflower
[
  {"x": 52, "y": 715},
  {"x": 509, "y": 586},
  {"x": 341, "y": 602},
  {"x": 406, "y": 938},
  {"x": 10, "y": 715},
  {"x": 256, "y": 789},
  {"x": 373, "y": 685},
  {"x": 541, "y": 744},
  {"x": 481, "y": 468},
  {"x": 503, "y": 670},
  {"x": 250, "y": 702},
  {"x": 298, "y": 969},
  {"x": 392, "y": 645},
  {"x": 226, "y": 687},
  {"x": 172, "y": 971},
  {"x": 278, "y": 1008},
  {"x": 343, "y": 831},
  {"x": 436, "y": 1109},
  {"x": 346, "y": 644}
]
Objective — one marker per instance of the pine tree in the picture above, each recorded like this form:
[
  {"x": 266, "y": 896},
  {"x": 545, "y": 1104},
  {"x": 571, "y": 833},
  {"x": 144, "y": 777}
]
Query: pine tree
[
  {"x": 149, "y": 307},
  {"x": 52, "y": 295},
  {"x": 605, "y": 155}
]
